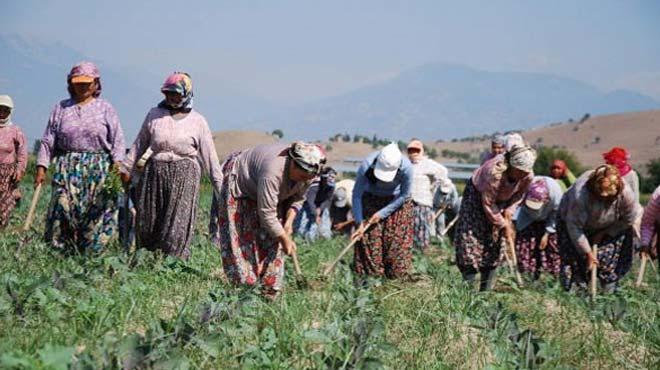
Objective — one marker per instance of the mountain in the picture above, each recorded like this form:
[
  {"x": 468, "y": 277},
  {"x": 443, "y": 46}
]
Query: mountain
[
  {"x": 34, "y": 74},
  {"x": 445, "y": 101}
]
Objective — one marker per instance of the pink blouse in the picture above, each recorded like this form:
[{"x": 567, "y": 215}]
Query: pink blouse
[
  {"x": 498, "y": 194},
  {"x": 651, "y": 218},
  {"x": 12, "y": 147}
]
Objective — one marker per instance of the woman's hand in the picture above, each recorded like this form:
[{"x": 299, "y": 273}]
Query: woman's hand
[
  {"x": 544, "y": 241},
  {"x": 40, "y": 176},
  {"x": 17, "y": 176},
  {"x": 359, "y": 233},
  {"x": 125, "y": 178},
  {"x": 288, "y": 245},
  {"x": 592, "y": 261}
]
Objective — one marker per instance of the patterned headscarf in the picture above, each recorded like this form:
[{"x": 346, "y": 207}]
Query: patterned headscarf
[
  {"x": 514, "y": 140},
  {"x": 181, "y": 83},
  {"x": 310, "y": 157},
  {"x": 88, "y": 69},
  {"x": 605, "y": 171},
  {"x": 618, "y": 157},
  {"x": 522, "y": 158},
  {"x": 538, "y": 191}
]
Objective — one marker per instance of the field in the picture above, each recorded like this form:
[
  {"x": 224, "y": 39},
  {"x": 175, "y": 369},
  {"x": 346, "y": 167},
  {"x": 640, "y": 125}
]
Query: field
[{"x": 141, "y": 310}]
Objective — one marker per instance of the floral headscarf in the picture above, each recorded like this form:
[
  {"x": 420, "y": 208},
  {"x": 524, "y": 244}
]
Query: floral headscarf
[
  {"x": 310, "y": 157},
  {"x": 618, "y": 157},
  {"x": 88, "y": 69},
  {"x": 538, "y": 191},
  {"x": 522, "y": 158},
  {"x": 602, "y": 172},
  {"x": 181, "y": 83}
]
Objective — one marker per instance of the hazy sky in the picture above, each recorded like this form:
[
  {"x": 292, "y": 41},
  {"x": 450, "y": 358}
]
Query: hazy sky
[{"x": 294, "y": 51}]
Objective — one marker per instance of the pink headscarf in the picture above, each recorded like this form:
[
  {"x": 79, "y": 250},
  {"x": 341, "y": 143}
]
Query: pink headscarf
[{"x": 84, "y": 69}]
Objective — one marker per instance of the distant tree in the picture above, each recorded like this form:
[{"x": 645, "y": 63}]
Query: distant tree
[
  {"x": 652, "y": 179},
  {"x": 366, "y": 140},
  {"x": 597, "y": 140},
  {"x": 585, "y": 117},
  {"x": 356, "y": 138},
  {"x": 36, "y": 147},
  {"x": 432, "y": 153},
  {"x": 346, "y": 138},
  {"x": 545, "y": 156},
  {"x": 328, "y": 147},
  {"x": 277, "y": 132},
  {"x": 402, "y": 145}
]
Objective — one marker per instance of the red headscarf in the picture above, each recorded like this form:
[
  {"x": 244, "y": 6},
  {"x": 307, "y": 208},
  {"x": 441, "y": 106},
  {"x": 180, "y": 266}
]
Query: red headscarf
[
  {"x": 618, "y": 157},
  {"x": 561, "y": 165}
]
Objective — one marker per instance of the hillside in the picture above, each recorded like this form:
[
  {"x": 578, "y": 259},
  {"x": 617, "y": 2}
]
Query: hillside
[{"x": 639, "y": 132}]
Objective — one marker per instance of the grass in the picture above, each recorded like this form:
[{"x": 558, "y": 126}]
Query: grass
[{"x": 143, "y": 310}]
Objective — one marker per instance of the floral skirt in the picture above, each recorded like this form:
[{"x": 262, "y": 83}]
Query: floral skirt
[
  {"x": 531, "y": 258},
  {"x": 250, "y": 256},
  {"x": 8, "y": 192},
  {"x": 423, "y": 220},
  {"x": 615, "y": 256},
  {"x": 476, "y": 250},
  {"x": 386, "y": 248},
  {"x": 81, "y": 215},
  {"x": 167, "y": 206}
]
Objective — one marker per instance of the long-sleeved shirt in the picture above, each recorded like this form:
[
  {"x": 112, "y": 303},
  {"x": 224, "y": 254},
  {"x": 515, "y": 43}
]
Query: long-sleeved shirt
[
  {"x": 585, "y": 215},
  {"x": 92, "y": 127},
  {"x": 497, "y": 190},
  {"x": 12, "y": 147},
  {"x": 651, "y": 218},
  {"x": 319, "y": 195},
  {"x": 426, "y": 174},
  {"x": 171, "y": 140},
  {"x": 262, "y": 174},
  {"x": 566, "y": 181},
  {"x": 449, "y": 200},
  {"x": 547, "y": 213},
  {"x": 400, "y": 187},
  {"x": 632, "y": 179}
]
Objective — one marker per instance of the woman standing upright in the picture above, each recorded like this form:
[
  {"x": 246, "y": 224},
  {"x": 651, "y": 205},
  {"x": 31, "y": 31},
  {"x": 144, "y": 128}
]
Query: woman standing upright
[
  {"x": 84, "y": 139},
  {"x": 490, "y": 198},
  {"x": 13, "y": 159},
  {"x": 167, "y": 195},
  {"x": 382, "y": 196},
  {"x": 427, "y": 175},
  {"x": 263, "y": 189},
  {"x": 536, "y": 234},
  {"x": 599, "y": 209}
]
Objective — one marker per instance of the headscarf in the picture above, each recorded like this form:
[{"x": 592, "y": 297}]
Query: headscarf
[
  {"x": 181, "y": 83},
  {"x": 561, "y": 165},
  {"x": 618, "y": 157},
  {"x": 5, "y": 100},
  {"x": 310, "y": 157},
  {"x": 88, "y": 69},
  {"x": 498, "y": 140},
  {"x": 605, "y": 171},
  {"x": 522, "y": 158},
  {"x": 513, "y": 140},
  {"x": 538, "y": 191},
  {"x": 417, "y": 144}
]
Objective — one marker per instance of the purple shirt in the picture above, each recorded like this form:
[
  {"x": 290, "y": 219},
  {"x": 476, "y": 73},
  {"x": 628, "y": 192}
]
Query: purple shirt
[
  {"x": 12, "y": 147},
  {"x": 93, "y": 127},
  {"x": 651, "y": 218}
]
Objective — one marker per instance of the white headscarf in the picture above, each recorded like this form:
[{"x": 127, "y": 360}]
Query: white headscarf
[
  {"x": 6, "y": 101},
  {"x": 522, "y": 158},
  {"x": 513, "y": 140}
]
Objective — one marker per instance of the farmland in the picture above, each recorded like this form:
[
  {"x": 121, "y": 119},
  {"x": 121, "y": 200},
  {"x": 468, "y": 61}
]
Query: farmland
[{"x": 142, "y": 310}]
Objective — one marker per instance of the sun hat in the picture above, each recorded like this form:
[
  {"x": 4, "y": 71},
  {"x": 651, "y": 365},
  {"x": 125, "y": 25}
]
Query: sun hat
[{"x": 388, "y": 162}]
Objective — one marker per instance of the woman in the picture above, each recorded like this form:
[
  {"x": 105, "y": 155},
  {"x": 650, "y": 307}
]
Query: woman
[
  {"x": 180, "y": 142},
  {"x": 598, "y": 210},
  {"x": 84, "y": 139},
  {"x": 427, "y": 174},
  {"x": 497, "y": 146},
  {"x": 562, "y": 174},
  {"x": 382, "y": 195},
  {"x": 13, "y": 159},
  {"x": 485, "y": 219},
  {"x": 263, "y": 189},
  {"x": 618, "y": 157},
  {"x": 314, "y": 221},
  {"x": 536, "y": 237},
  {"x": 651, "y": 225}
]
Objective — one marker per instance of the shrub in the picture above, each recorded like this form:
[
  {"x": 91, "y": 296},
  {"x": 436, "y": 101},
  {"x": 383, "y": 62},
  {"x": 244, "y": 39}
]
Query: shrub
[
  {"x": 277, "y": 132},
  {"x": 649, "y": 182},
  {"x": 545, "y": 156}
]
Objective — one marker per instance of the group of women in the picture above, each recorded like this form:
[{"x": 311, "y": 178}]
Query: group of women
[{"x": 259, "y": 191}]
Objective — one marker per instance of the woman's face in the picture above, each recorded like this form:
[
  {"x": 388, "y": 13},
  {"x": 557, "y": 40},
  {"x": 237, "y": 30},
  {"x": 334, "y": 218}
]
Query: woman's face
[
  {"x": 173, "y": 98},
  {"x": 4, "y": 112},
  {"x": 297, "y": 174},
  {"x": 516, "y": 174},
  {"x": 496, "y": 148},
  {"x": 83, "y": 90},
  {"x": 604, "y": 189},
  {"x": 414, "y": 154},
  {"x": 556, "y": 172}
]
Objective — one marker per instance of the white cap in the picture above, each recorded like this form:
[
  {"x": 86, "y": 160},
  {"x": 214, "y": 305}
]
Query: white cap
[
  {"x": 6, "y": 101},
  {"x": 388, "y": 163}
]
